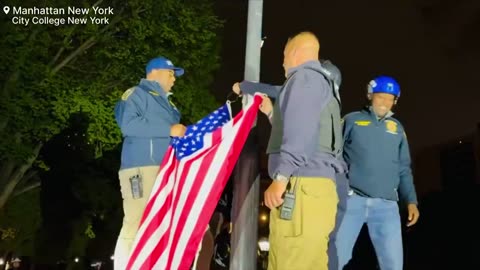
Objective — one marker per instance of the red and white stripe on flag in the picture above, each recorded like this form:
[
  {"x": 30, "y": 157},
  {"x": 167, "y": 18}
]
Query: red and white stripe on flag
[{"x": 189, "y": 184}]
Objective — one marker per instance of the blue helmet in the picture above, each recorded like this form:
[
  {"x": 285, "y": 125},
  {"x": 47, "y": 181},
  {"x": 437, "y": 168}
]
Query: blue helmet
[{"x": 384, "y": 84}]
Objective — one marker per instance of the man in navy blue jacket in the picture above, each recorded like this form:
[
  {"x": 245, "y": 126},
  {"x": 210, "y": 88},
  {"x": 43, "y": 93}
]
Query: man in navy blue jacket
[
  {"x": 148, "y": 120},
  {"x": 377, "y": 153}
]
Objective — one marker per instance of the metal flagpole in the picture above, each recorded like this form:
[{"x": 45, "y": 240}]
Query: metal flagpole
[{"x": 246, "y": 179}]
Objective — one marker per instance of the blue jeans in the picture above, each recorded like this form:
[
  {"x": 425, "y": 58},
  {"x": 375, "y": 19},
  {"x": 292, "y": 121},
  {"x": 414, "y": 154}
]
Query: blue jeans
[
  {"x": 342, "y": 191},
  {"x": 383, "y": 221}
]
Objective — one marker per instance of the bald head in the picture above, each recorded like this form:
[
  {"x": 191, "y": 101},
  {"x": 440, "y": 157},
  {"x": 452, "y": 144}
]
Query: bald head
[
  {"x": 306, "y": 43},
  {"x": 301, "y": 48}
]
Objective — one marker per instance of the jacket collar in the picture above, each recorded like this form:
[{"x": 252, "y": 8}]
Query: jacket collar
[
  {"x": 154, "y": 86},
  {"x": 371, "y": 112}
]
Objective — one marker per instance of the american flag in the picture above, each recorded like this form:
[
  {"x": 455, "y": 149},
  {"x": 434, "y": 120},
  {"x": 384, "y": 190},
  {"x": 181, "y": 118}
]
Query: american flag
[{"x": 189, "y": 184}]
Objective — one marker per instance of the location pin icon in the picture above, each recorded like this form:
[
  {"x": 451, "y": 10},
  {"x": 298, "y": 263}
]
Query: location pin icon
[{"x": 6, "y": 9}]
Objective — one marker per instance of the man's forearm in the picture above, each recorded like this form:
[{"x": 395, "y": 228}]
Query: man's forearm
[{"x": 251, "y": 88}]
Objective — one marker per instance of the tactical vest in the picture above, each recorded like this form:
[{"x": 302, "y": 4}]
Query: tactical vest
[{"x": 330, "y": 136}]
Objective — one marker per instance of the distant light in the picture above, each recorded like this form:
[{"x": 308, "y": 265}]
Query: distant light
[
  {"x": 112, "y": 257},
  {"x": 460, "y": 142},
  {"x": 2, "y": 262},
  {"x": 263, "y": 244},
  {"x": 96, "y": 264},
  {"x": 76, "y": 260},
  {"x": 263, "y": 217}
]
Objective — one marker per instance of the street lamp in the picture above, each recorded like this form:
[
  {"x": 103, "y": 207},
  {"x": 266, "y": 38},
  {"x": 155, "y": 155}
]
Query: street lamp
[{"x": 264, "y": 217}]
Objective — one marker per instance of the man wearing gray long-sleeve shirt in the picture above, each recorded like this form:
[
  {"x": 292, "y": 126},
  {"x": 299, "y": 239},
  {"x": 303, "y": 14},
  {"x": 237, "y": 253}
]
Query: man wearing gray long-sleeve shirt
[
  {"x": 333, "y": 73},
  {"x": 303, "y": 148}
]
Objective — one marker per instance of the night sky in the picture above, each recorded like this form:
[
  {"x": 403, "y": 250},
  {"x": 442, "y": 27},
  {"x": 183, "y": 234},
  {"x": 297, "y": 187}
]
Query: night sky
[{"x": 432, "y": 49}]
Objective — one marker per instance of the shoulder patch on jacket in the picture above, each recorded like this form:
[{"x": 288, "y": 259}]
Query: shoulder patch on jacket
[
  {"x": 392, "y": 126},
  {"x": 127, "y": 93}
]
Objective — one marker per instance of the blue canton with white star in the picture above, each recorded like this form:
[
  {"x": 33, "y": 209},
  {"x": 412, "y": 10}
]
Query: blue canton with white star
[{"x": 193, "y": 139}]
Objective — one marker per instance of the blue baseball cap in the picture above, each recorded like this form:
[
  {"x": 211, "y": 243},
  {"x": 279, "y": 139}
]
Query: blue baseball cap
[{"x": 163, "y": 63}]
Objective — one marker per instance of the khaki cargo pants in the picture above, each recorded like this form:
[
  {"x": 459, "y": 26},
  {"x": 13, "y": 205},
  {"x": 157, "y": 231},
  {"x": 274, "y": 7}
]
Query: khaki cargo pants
[
  {"x": 133, "y": 212},
  {"x": 302, "y": 243}
]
